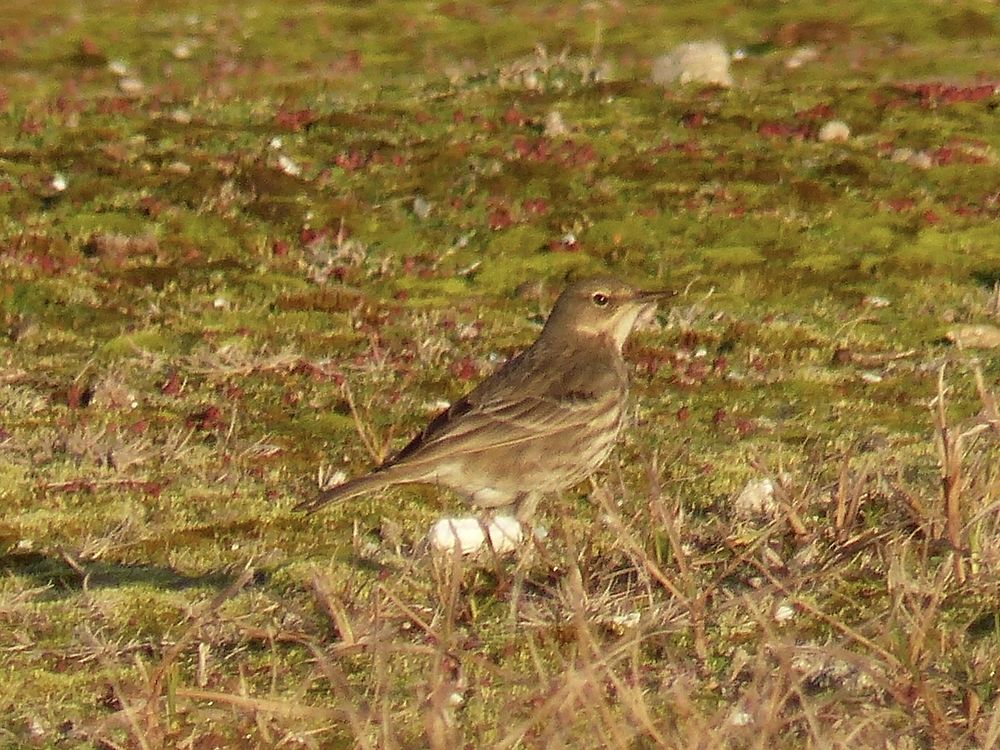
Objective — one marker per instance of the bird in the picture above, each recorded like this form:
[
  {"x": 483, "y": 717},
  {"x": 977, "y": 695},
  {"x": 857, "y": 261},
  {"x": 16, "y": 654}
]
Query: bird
[{"x": 541, "y": 423}]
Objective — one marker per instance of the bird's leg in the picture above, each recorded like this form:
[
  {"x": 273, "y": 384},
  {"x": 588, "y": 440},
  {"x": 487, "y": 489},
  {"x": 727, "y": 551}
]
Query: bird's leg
[{"x": 525, "y": 506}]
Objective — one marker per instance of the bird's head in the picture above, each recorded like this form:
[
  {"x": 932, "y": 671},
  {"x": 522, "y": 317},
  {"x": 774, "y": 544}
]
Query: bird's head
[{"x": 601, "y": 308}]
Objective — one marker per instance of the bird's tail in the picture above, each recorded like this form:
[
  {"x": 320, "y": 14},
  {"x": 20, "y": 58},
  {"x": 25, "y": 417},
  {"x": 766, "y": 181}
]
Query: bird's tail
[{"x": 347, "y": 490}]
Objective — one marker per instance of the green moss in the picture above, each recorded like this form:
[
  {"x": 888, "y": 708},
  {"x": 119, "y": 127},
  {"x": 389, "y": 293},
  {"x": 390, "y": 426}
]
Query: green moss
[
  {"x": 236, "y": 301},
  {"x": 734, "y": 256},
  {"x": 153, "y": 340}
]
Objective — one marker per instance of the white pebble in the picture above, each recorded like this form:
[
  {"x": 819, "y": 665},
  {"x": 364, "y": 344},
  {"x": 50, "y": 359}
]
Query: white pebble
[
  {"x": 784, "y": 613},
  {"x": 59, "y": 182},
  {"x": 555, "y": 125},
  {"x": 131, "y": 86},
  {"x": 834, "y": 131},
  {"x": 118, "y": 67},
  {"x": 801, "y": 56},
  {"x": 873, "y": 300},
  {"x": 756, "y": 499},
  {"x": 921, "y": 160},
  {"x": 739, "y": 718},
  {"x": 179, "y": 167},
  {"x": 694, "y": 62},
  {"x": 871, "y": 377},
  {"x": 182, "y": 51},
  {"x": 288, "y": 165},
  {"x": 421, "y": 207},
  {"x": 469, "y": 534}
]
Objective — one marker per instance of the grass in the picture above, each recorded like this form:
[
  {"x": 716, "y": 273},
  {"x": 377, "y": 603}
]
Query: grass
[{"x": 243, "y": 247}]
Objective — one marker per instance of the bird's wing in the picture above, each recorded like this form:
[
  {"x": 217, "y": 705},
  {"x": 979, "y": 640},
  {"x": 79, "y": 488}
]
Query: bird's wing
[
  {"x": 471, "y": 428},
  {"x": 526, "y": 399}
]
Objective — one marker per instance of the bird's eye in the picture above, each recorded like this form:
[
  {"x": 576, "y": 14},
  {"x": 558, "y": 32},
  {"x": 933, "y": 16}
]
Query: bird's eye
[{"x": 601, "y": 299}]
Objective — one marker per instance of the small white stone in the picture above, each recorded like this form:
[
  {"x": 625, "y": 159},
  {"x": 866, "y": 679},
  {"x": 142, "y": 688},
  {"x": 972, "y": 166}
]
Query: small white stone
[
  {"x": 834, "y": 131},
  {"x": 180, "y": 116},
  {"x": 276, "y": 142},
  {"x": 289, "y": 166},
  {"x": 901, "y": 154},
  {"x": 921, "y": 160},
  {"x": 25, "y": 544},
  {"x": 59, "y": 182},
  {"x": 870, "y": 377},
  {"x": 801, "y": 56},
  {"x": 694, "y": 62},
  {"x": 118, "y": 67},
  {"x": 220, "y": 303},
  {"x": 875, "y": 301},
  {"x": 756, "y": 499},
  {"x": 784, "y": 613},
  {"x": 555, "y": 125},
  {"x": 179, "y": 167},
  {"x": 421, "y": 207},
  {"x": 469, "y": 534},
  {"x": 182, "y": 50},
  {"x": 739, "y": 718},
  {"x": 131, "y": 86}
]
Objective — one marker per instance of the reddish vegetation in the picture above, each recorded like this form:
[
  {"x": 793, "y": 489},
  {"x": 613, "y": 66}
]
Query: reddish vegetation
[
  {"x": 779, "y": 129},
  {"x": 565, "y": 244},
  {"x": 668, "y": 146},
  {"x": 933, "y": 94},
  {"x": 500, "y": 218},
  {"x": 901, "y": 204},
  {"x": 694, "y": 120},
  {"x": 465, "y": 369},
  {"x": 295, "y": 120},
  {"x": 173, "y": 385},
  {"x": 351, "y": 161},
  {"x": 209, "y": 418},
  {"x": 78, "y": 396},
  {"x": 538, "y": 206},
  {"x": 514, "y": 116},
  {"x": 569, "y": 153},
  {"x": 813, "y": 114}
]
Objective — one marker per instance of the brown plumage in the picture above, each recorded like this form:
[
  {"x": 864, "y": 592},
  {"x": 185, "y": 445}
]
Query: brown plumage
[{"x": 542, "y": 422}]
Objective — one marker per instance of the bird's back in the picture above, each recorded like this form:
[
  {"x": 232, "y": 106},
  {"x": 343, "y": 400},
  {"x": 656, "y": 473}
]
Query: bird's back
[{"x": 535, "y": 404}]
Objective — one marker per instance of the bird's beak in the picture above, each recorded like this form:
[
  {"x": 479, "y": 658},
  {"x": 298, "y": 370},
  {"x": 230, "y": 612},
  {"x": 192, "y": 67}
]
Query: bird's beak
[{"x": 654, "y": 297}]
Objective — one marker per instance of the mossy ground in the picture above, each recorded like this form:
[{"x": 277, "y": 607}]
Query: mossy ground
[{"x": 222, "y": 225}]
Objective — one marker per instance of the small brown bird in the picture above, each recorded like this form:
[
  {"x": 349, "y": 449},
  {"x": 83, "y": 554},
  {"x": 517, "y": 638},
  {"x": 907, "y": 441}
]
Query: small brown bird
[{"x": 541, "y": 423}]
